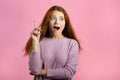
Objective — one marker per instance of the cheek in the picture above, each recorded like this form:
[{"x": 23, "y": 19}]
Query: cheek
[
  {"x": 62, "y": 28},
  {"x": 50, "y": 24},
  {"x": 63, "y": 25}
]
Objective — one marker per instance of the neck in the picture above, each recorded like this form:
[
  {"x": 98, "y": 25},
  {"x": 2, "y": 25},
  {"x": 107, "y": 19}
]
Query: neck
[{"x": 58, "y": 36}]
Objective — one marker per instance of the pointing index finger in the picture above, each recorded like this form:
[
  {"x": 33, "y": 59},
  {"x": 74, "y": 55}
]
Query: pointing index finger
[{"x": 35, "y": 24}]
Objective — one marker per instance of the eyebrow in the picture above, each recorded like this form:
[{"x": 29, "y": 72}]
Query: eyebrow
[{"x": 59, "y": 16}]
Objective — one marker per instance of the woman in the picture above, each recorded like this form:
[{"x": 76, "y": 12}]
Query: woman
[{"x": 53, "y": 47}]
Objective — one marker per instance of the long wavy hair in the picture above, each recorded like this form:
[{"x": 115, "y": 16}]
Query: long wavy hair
[{"x": 67, "y": 32}]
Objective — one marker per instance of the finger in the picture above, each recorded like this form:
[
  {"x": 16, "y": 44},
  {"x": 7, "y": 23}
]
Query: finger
[
  {"x": 39, "y": 35},
  {"x": 40, "y": 29},
  {"x": 35, "y": 33},
  {"x": 37, "y": 29},
  {"x": 35, "y": 24}
]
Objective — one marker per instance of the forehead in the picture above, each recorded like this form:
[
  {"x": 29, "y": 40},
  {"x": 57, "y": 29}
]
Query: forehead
[{"x": 57, "y": 13}]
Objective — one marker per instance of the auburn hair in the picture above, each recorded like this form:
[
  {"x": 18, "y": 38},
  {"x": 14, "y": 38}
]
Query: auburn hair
[{"x": 67, "y": 32}]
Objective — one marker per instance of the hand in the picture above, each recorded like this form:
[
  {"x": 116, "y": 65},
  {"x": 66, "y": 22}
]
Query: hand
[
  {"x": 36, "y": 33},
  {"x": 43, "y": 72}
]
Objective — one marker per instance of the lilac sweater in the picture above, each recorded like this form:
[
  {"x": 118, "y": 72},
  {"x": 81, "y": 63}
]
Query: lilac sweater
[{"x": 59, "y": 56}]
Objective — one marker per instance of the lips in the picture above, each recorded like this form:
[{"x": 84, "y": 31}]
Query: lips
[{"x": 56, "y": 27}]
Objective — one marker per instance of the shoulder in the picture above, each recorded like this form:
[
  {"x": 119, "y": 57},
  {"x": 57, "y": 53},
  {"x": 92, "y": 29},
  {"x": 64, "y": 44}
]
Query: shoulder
[
  {"x": 72, "y": 42},
  {"x": 73, "y": 46}
]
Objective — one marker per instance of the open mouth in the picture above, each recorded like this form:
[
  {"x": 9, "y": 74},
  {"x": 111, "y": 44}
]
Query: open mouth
[{"x": 56, "y": 27}]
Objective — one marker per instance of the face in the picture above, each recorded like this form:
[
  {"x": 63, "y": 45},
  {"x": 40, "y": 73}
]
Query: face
[{"x": 57, "y": 23}]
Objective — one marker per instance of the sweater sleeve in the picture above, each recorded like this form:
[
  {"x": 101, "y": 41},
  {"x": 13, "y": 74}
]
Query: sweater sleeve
[
  {"x": 35, "y": 61},
  {"x": 69, "y": 69}
]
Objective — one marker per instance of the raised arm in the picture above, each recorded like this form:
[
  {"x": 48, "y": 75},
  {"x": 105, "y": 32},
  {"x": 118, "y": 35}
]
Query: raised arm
[{"x": 35, "y": 62}]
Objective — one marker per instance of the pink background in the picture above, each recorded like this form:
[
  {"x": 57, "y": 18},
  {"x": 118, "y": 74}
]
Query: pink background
[{"x": 96, "y": 22}]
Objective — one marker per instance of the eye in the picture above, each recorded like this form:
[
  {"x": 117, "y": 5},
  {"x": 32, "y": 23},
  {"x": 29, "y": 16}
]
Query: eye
[
  {"x": 53, "y": 18},
  {"x": 61, "y": 18}
]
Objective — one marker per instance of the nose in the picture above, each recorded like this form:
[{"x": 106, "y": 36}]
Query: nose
[{"x": 56, "y": 21}]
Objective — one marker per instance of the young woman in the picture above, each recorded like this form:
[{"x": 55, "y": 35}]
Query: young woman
[{"x": 53, "y": 47}]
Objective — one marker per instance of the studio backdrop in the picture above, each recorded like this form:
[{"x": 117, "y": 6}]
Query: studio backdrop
[{"x": 97, "y": 26}]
